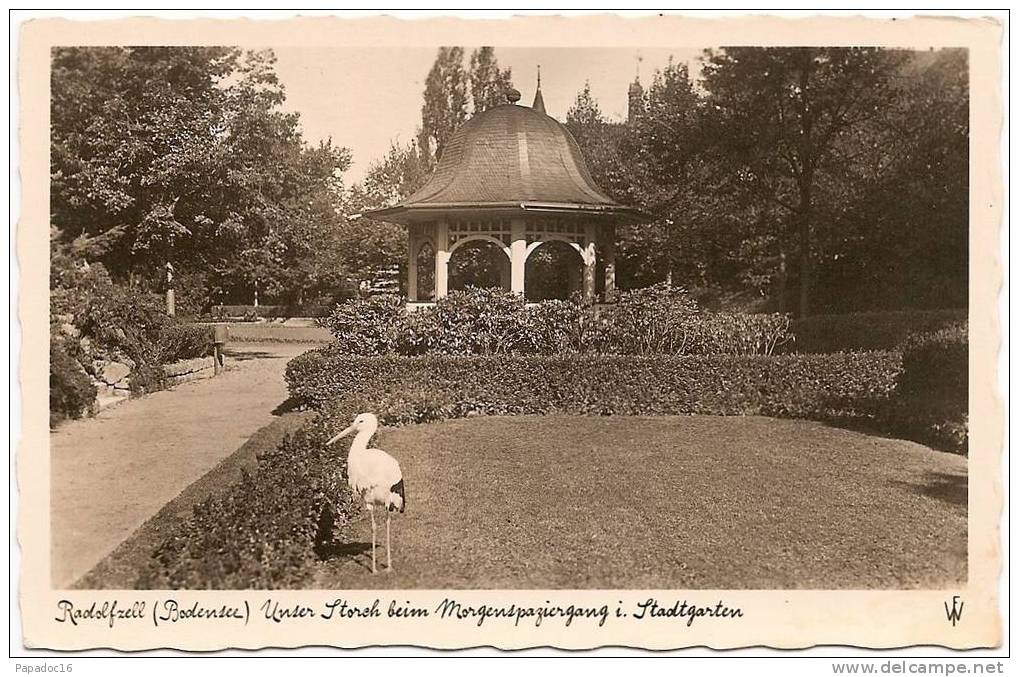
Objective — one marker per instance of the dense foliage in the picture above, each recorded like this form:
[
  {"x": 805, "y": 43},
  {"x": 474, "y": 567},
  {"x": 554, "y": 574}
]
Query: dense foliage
[
  {"x": 414, "y": 389},
  {"x": 932, "y": 392},
  {"x": 262, "y": 531},
  {"x": 184, "y": 155},
  {"x": 94, "y": 321},
  {"x": 656, "y": 320},
  {"x": 71, "y": 390},
  {"x": 878, "y": 330},
  {"x": 815, "y": 180}
]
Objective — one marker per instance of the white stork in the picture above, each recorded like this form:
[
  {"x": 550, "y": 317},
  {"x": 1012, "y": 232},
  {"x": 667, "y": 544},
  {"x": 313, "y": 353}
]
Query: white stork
[{"x": 373, "y": 475}]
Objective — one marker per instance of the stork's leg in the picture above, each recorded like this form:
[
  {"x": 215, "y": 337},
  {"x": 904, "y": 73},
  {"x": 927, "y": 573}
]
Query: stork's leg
[
  {"x": 389, "y": 558},
  {"x": 372, "y": 513}
]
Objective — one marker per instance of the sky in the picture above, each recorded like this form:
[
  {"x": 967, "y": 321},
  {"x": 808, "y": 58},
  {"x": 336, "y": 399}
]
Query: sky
[{"x": 364, "y": 99}]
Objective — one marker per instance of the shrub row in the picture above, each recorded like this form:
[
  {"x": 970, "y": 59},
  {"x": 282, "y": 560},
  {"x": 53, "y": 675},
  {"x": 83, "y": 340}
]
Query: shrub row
[
  {"x": 921, "y": 394},
  {"x": 651, "y": 321},
  {"x": 868, "y": 331},
  {"x": 437, "y": 387},
  {"x": 264, "y": 530},
  {"x": 235, "y": 312},
  {"x": 932, "y": 391}
]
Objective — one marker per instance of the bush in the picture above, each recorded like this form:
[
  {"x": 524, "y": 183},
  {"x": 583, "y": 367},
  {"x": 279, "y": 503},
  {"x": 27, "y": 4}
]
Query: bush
[
  {"x": 71, "y": 390},
  {"x": 262, "y": 531},
  {"x": 652, "y": 321},
  {"x": 932, "y": 392},
  {"x": 183, "y": 342},
  {"x": 123, "y": 321},
  {"x": 561, "y": 327},
  {"x": 252, "y": 313},
  {"x": 867, "y": 331},
  {"x": 740, "y": 333},
  {"x": 474, "y": 322},
  {"x": 405, "y": 389},
  {"x": 370, "y": 326}
]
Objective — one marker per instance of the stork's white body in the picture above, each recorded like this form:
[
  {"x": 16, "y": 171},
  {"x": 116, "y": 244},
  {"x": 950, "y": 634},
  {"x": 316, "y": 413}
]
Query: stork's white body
[{"x": 373, "y": 475}]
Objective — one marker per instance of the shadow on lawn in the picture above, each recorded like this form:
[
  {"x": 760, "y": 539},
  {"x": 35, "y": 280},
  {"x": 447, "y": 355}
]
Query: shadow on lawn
[
  {"x": 286, "y": 406},
  {"x": 328, "y": 547},
  {"x": 953, "y": 489},
  {"x": 914, "y": 431}
]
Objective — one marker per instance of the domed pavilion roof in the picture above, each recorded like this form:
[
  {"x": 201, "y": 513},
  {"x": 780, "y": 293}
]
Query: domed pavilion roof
[{"x": 508, "y": 159}]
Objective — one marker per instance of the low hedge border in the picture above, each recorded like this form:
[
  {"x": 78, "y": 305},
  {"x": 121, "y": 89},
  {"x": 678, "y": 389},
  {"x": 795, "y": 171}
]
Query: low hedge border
[
  {"x": 880, "y": 330},
  {"x": 262, "y": 531},
  {"x": 414, "y": 389}
]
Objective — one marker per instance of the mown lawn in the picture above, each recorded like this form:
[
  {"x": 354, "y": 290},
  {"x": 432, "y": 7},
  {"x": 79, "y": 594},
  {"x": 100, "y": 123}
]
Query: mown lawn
[{"x": 663, "y": 502}]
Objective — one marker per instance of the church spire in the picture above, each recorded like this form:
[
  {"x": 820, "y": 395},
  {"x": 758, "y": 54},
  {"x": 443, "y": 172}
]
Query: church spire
[
  {"x": 635, "y": 95},
  {"x": 539, "y": 103}
]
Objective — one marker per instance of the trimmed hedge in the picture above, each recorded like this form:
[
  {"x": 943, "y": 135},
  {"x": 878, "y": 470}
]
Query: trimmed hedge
[
  {"x": 867, "y": 331},
  {"x": 932, "y": 391},
  {"x": 184, "y": 342},
  {"x": 234, "y": 312},
  {"x": 438, "y": 387},
  {"x": 264, "y": 530}
]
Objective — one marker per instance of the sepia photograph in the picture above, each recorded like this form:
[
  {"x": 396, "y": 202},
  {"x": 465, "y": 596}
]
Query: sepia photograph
[{"x": 494, "y": 316}]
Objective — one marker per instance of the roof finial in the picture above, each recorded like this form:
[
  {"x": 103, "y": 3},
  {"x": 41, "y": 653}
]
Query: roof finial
[
  {"x": 639, "y": 58},
  {"x": 539, "y": 102}
]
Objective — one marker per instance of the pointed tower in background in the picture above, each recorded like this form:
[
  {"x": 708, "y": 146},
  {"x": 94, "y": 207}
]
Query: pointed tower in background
[
  {"x": 635, "y": 96},
  {"x": 539, "y": 103}
]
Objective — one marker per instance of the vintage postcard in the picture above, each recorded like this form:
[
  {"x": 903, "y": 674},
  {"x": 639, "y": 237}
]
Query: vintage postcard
[{"x": 547, "y": 331}]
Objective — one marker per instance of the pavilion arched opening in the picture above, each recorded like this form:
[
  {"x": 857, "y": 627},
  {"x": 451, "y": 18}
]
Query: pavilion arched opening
[
  {"x": 479, "y": 263},
  {"x": 555, "y": 270}
]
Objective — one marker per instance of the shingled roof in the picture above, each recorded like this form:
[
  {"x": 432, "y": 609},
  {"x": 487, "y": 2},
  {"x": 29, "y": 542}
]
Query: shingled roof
[{"x": 512, "y": 158}]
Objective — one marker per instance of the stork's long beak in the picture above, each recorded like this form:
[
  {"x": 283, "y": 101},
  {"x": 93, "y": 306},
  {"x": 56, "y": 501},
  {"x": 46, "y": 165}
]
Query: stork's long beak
[{"x": 342, "y": 433}]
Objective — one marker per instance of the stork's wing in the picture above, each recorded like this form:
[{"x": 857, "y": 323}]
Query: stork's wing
[{"x": 383, "y": 469}]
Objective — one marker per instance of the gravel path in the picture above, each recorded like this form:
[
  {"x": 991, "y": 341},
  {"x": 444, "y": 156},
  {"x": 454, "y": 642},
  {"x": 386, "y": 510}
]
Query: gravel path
[
  {"x": 663, "y": 503},
  {"x": 111, "y": 473}
]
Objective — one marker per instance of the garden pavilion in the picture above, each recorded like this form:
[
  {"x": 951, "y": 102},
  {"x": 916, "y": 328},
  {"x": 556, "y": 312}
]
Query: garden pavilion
[{"x": 513, "y": 180}]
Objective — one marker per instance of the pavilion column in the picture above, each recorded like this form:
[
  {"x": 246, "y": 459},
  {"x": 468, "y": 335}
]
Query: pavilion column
[
  {"x": 609, "y": 256},
  {"x": 505, "y": 273},
  {"x": 441, "y": 259},
  {"x": 590, "y": 262},
  {"x": 412, "y": 262},
  {"x": 518, "y": 255}
]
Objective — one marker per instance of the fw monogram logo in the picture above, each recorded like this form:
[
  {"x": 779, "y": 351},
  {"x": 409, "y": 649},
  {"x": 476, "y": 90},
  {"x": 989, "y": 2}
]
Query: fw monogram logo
[{"x": 955, "y": 613}]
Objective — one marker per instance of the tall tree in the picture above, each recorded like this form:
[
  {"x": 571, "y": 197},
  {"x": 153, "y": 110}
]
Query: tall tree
[
  {"x": 903, "y": 232},
  {"x": 445, "y": 104},
  {"x": 183, "y": 154},
  {"x": 782, "y": 114},
  {"x": 488, "y": 82},
  {"x": 585, "y": 113}
]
